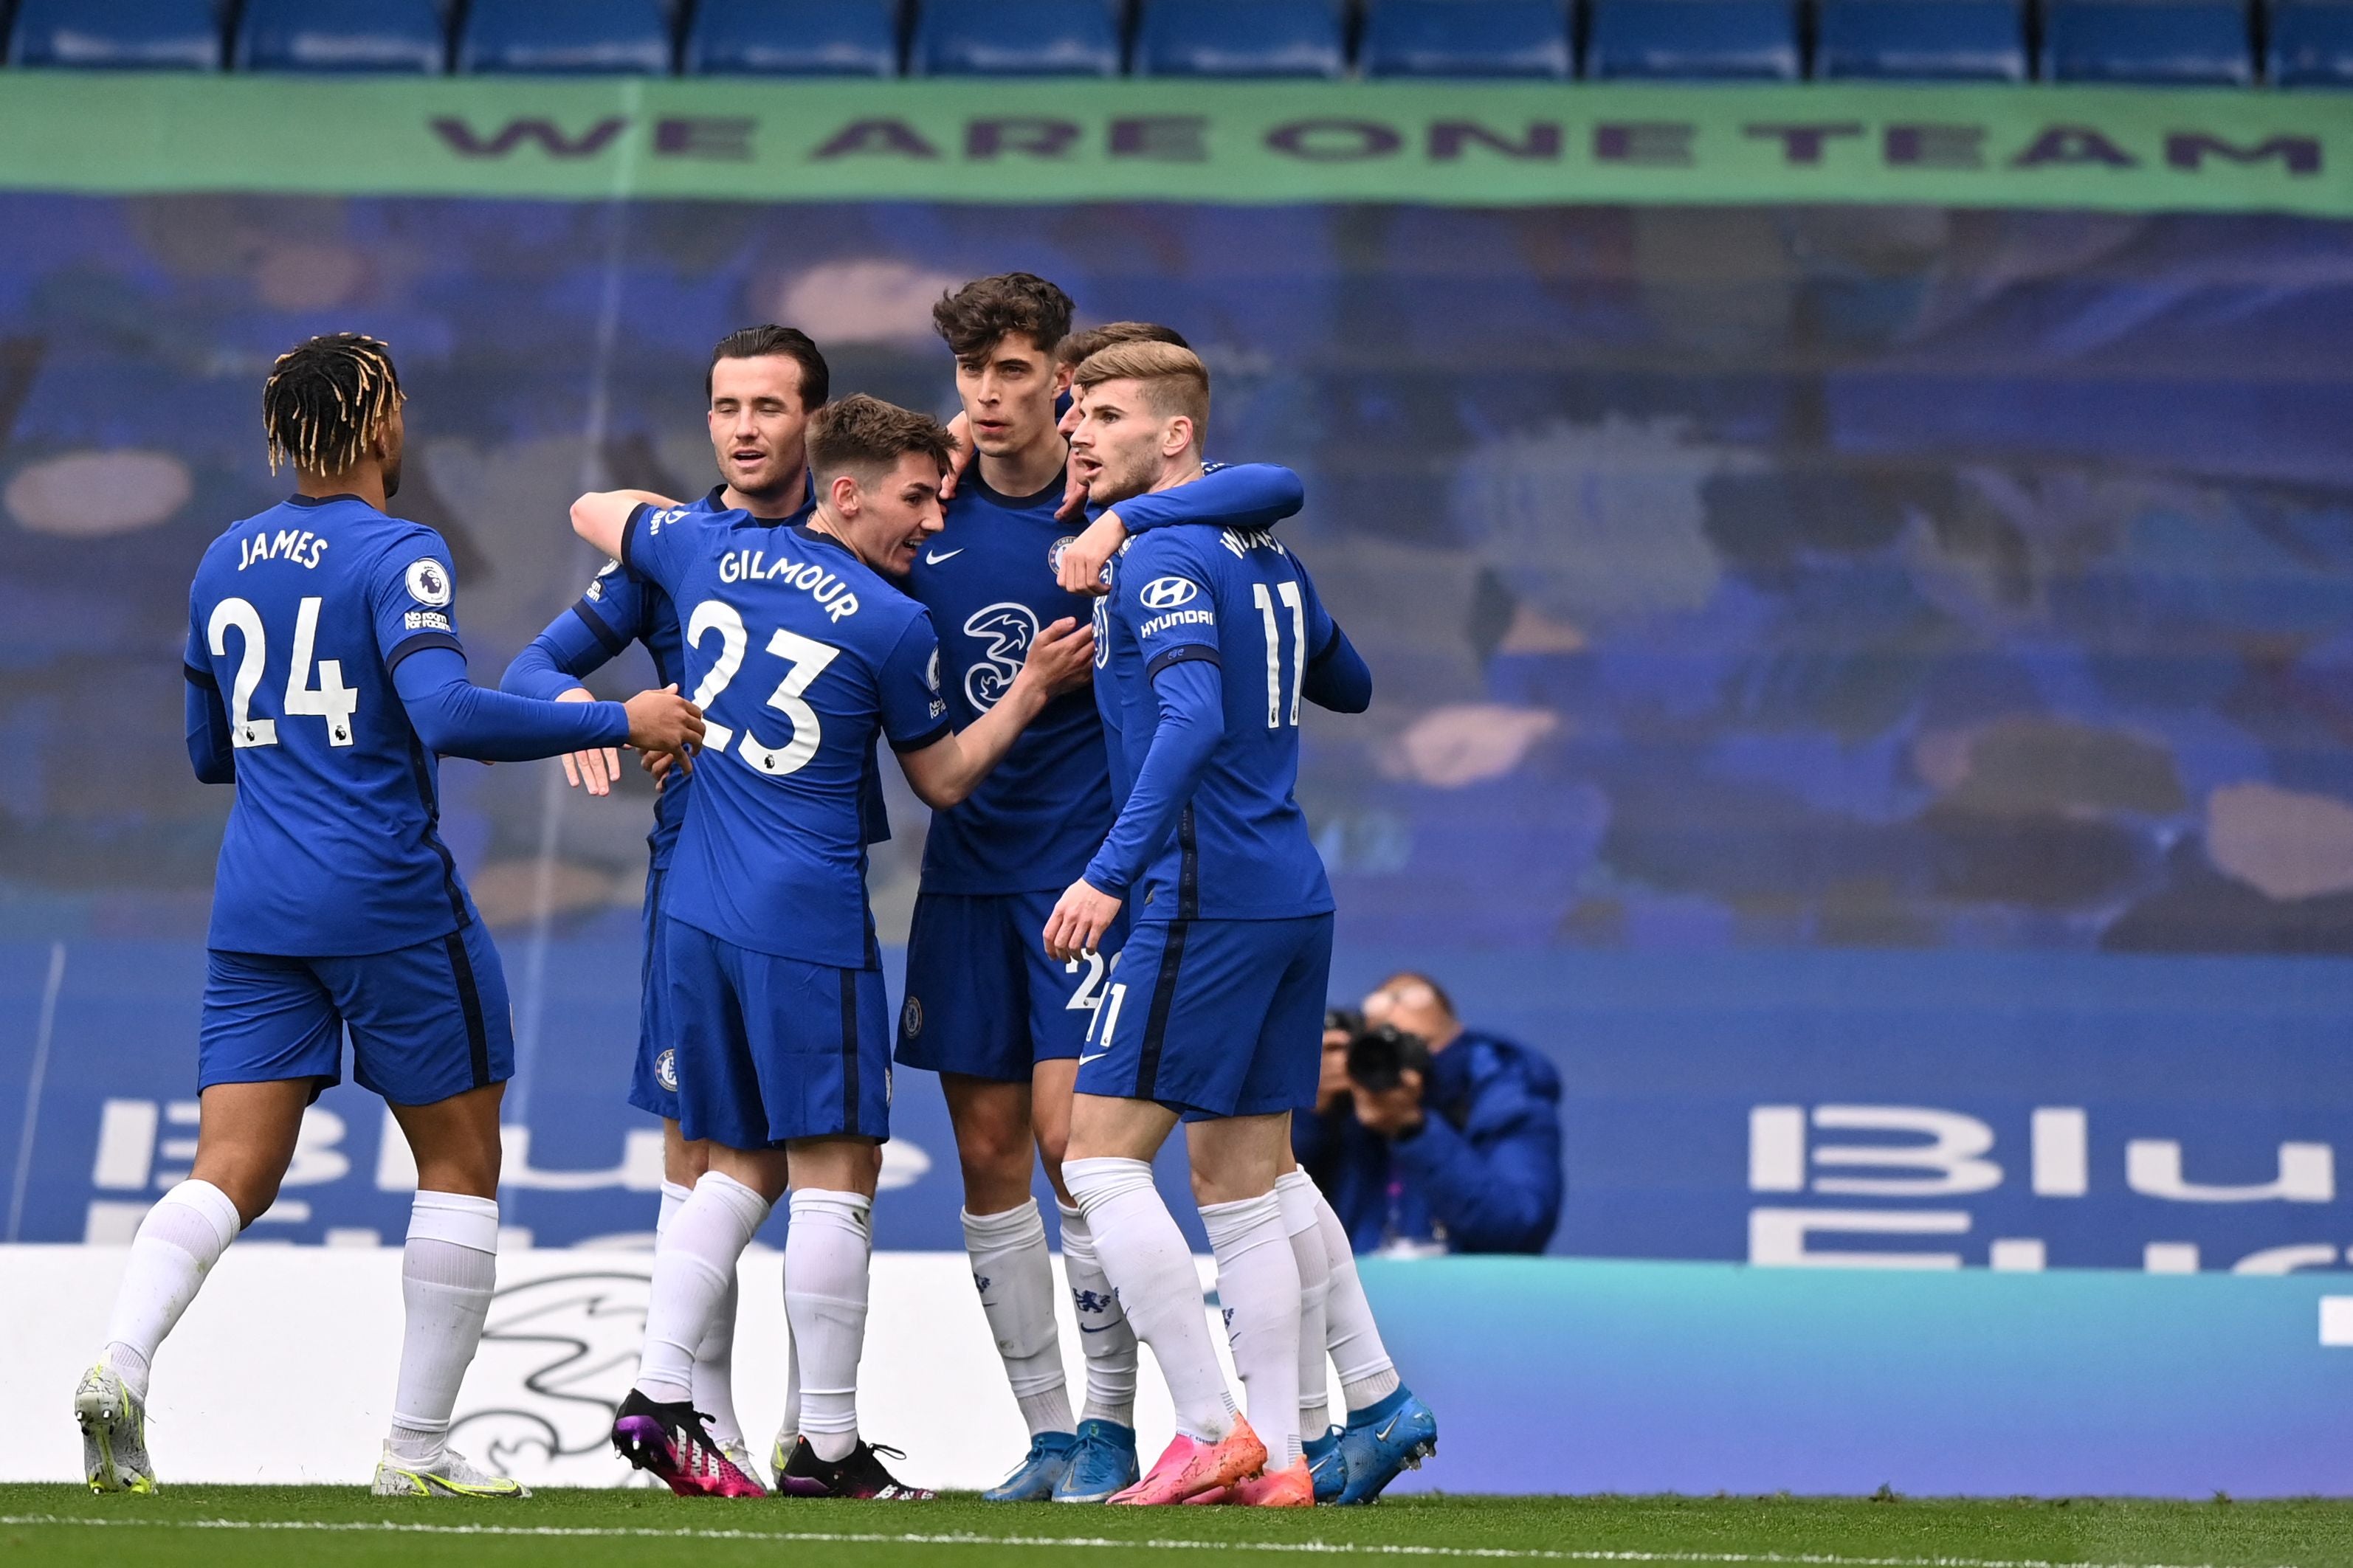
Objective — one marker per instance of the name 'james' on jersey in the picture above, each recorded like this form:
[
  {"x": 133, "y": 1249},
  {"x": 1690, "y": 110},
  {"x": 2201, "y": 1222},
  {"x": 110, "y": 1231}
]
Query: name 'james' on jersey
[
  {"x": 298, "y": 618},
  {"x": 799, "y": 654},
  {"x": 988, "y": 580}
]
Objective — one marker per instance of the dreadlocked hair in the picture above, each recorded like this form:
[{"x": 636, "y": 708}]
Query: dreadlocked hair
[{"x": 324, "y": 398}]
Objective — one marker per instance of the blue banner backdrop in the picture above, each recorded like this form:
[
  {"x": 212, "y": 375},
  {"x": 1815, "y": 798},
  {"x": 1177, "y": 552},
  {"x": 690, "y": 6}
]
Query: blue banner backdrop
[{"x": 1865, "y": 688}]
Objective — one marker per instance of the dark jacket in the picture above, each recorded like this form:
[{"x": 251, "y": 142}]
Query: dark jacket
[{"x": 1481, "y": 1174}]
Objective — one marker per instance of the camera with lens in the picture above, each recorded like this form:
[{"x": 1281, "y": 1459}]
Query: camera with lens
[{"x": 1380, "y": 1055}]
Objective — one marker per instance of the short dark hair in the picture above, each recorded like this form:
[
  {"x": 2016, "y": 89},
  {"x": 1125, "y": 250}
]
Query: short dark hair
[
  {"x": 783, "y": 343},
  {"x": 1075, "y": 350},
  {"x": 986, "y": 311},
  {"x": 324, "y": 397},
  {"x": 863, "y": 436}
]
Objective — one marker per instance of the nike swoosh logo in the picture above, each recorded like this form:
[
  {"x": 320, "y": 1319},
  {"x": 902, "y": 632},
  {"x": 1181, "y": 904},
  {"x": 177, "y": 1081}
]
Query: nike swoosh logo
[
  {"x": 1096, "y": 1057},
  {"x": 932, "y": 560},
  {"x": 1104, "y": 1330},
  {"x": 1389, "y": 1426}
]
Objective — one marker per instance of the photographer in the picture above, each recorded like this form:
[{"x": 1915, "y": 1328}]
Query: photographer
[{"x": 1428, "y": 1136}]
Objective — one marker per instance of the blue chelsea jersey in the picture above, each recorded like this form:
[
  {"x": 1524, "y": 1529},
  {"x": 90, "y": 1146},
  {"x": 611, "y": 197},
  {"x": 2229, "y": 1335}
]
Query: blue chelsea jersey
[
  {"x": 298, "y": 617},
  {"x": 799, "y": 655},
  {"x": 619, "y": 607},
  {"x": 987, "y": 579},
  {"x": 1242, "y": 603}
]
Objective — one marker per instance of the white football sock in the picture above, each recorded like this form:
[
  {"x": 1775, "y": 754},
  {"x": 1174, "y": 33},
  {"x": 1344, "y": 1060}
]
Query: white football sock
[
  {"x": 1143, "y": 1255},
  {"x": 1295, "y": 1191},
  {"x": 177, "y": 1246},
  {"x": 791, "y": 1425},
  {"x": 673, "y": 1197},
  {"x": 448, "y": 1272},
  {"x": 1015, "y": 1275},
  {"x": 1104, "y": 1337},
  {"x": 1367, "y": 1375},
  {"x": 825, "y": 1253},
  {"x": 694, "y": 1271},
  {"x": 714, "y": 1372},
  {"x": 1258, "y": 1282}
]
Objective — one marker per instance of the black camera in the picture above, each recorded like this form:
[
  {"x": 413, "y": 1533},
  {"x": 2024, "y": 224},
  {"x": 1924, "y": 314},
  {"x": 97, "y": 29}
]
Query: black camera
[
  {"x": 1380, "y": 1055},
  {"x": 1345, "y": 1021}
]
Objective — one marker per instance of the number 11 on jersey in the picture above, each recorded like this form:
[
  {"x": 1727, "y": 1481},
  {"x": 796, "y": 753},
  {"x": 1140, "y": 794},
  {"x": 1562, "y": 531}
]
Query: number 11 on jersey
[{"x": 1265, "y": 601}]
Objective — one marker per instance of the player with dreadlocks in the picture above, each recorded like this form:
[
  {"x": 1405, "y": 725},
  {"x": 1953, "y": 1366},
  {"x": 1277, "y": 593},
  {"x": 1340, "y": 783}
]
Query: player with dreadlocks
[{"x": 324, "y": 677}]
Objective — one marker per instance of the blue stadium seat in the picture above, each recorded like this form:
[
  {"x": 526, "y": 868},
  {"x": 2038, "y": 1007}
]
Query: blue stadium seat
[
  {"x": 1242, "y": 37},
  {"x": 1752, "y": 39},
  {"x": 1921, "y": 40},
  {"x": 2174, "y": 42},
  {"x": 794, "y": 37},
  {"x": 2311, "y": 43},
  {"x": 1467, "y": 38},
  {"x": 117, "y": 35},
  {"x": 342, "y": 36},
  {"x": 606, "y": 37},
  {"x": 1017, "y": 37}
]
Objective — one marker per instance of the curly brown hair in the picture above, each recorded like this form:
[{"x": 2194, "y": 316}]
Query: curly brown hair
[{"x": 986, "y": 311}]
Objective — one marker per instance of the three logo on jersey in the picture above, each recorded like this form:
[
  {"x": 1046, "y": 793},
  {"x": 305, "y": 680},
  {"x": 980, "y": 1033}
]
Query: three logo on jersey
[{"x": 1010, "y": 629}]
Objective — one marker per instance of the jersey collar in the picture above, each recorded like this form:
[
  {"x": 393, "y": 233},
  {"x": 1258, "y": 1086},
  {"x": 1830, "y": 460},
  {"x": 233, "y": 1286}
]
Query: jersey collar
[
  {"x": 980, "y": 487},
  {"x": 716, "y": 501}
]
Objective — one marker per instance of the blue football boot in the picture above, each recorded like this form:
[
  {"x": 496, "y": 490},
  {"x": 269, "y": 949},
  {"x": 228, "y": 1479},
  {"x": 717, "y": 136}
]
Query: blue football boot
[
  {"x": 1382, "y": 1439},
  {"x": 1324, "y": 1464},
  {"x": 1035, "y": 1478},
  {"x": 1103, "y": 1462}
]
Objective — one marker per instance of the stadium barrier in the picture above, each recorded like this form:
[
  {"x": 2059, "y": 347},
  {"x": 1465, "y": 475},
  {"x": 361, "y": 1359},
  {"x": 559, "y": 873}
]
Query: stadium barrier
[{"x": 1548, "y": 1376}]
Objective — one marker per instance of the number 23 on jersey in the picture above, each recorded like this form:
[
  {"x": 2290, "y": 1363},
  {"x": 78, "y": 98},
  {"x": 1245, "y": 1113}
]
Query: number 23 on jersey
[{"x": 805, "y": 659}]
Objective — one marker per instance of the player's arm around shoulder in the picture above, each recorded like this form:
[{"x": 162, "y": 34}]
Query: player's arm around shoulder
[
  {"x": 1243, "y": 495},
  {"x": 602, "y": 517}
]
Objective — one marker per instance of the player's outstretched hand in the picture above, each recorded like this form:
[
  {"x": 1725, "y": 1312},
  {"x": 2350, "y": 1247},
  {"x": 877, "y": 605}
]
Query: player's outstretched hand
[
  {"x": 959, "y": 455},
  {"x": 665, "y": 721},
  {"x": 1062, "y": 657},
  {"x": 594, "y": 770},
  {"x": 1082, "y": 567},
  {"x": 1079, "y": 918}
]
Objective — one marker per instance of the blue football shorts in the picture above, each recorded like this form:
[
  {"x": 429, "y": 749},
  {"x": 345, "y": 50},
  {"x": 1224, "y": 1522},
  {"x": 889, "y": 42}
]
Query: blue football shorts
[
  {"x": 1214, "y": 1017},
  {"x": 653, "y": 1082},
  {"x": 982, "y": 999},
  {"x": 770, "y": 1049},
  {"x": 426, "y": 1021}
]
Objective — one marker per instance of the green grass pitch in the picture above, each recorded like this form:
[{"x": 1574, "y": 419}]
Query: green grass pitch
[{"x": 301, "y": 1527}]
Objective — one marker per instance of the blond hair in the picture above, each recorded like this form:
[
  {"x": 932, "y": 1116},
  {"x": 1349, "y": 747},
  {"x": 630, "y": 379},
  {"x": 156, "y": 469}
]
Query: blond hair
[{"x": 1174, "y": 381}]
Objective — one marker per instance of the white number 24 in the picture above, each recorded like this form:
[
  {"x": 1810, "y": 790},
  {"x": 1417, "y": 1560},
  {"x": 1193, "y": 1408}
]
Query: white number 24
[
  {"x": 806, "y": 659},
  {"x": 330, "y": 699}
]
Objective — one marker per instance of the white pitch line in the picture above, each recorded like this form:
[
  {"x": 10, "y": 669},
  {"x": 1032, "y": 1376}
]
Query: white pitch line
[{"x": 1088, "y": 1542}]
